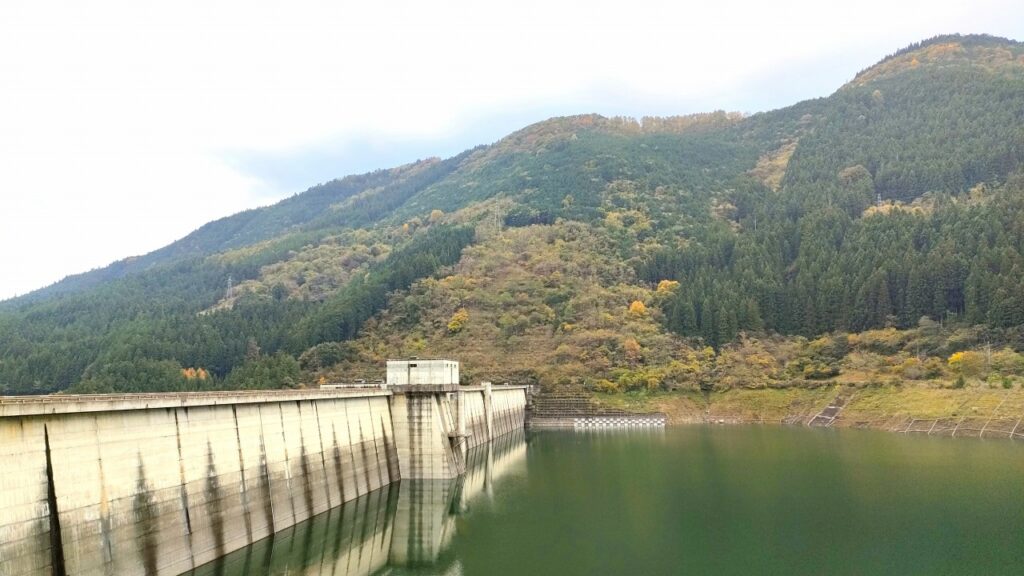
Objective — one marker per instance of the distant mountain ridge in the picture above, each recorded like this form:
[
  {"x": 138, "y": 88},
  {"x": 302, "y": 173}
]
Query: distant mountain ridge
[
  {"x": 950, "y": 49},
  {"x": 895, "y": 198}
]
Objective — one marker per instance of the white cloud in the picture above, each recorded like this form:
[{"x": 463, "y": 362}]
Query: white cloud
[{"x": 119, "y": 119}]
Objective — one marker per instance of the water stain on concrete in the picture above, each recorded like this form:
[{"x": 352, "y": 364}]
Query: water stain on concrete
[
  {"x": 265, "y": 488},
  {"x": 145, "y": 512},
  {"x": 287, "y": 465},
  {"x": 246, "y": 515},
  {"x": 389, "y": 452},
  {"x": 307, "y": 486},
  {"x": 352, "y": 455},
  {"x": 214, "y": 503},
  {"x": 182, "y": 483},
  {"x": 364, "y": 452},
  {"x": 304, "y": 467},
  {"x": 323, "y": 456},
  {"x": 376, "y": 458},
  {"x": 106, "y": 545},
  {"x": 338, "y": 470}
]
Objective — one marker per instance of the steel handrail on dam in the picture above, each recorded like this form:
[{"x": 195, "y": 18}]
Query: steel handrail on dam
[
  {"x": 67, "y": 403},
  {"x": 13, "y": 406}
]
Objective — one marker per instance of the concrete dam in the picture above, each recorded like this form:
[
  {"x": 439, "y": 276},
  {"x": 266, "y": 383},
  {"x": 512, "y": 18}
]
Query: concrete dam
[{"x": 165, "y": 483}]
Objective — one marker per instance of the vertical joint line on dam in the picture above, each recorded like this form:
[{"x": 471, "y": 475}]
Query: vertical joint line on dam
[{"x": 56, "y": 542}]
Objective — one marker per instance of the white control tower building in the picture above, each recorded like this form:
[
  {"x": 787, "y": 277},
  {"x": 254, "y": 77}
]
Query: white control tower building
[{"x": 415, "y": 371}]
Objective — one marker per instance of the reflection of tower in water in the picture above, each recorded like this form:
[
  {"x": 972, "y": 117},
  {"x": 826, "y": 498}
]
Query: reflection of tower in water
[{"x": 424, "y": 523}]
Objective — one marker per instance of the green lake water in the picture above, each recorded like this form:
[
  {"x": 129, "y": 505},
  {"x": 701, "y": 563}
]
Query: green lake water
[{"x": 685, "y": 500}]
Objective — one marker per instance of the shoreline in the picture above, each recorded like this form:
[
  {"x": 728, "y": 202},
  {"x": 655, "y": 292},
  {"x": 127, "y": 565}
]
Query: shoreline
[{"x": 967, "y": 412}]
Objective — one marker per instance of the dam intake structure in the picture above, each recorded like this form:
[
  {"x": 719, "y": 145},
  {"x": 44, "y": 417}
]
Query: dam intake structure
[{"x": 165, "y": 483}]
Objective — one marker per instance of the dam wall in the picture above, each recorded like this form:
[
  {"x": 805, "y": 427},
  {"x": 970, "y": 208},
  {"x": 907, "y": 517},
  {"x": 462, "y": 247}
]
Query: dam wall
[
  {"x": 509, "y": 411},
  {"x": 492, "y": 412},
  {"x": 164, "y": 483}
]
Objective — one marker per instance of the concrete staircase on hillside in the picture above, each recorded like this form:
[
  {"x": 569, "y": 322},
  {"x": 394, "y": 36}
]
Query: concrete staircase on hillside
[{"x": 828, "y": 416}]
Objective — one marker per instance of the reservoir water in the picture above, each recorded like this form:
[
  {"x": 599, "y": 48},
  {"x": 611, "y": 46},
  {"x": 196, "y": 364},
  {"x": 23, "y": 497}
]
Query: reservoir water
[{"x": 686, "y": 500}]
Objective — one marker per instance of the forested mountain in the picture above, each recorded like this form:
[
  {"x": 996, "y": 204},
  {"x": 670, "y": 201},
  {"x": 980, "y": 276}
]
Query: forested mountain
[{"x": 610, "y": 251}]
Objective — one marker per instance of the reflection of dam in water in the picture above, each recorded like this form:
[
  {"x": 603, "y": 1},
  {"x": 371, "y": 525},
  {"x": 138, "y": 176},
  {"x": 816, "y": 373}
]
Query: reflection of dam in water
[{"x": 409, "y": 523}]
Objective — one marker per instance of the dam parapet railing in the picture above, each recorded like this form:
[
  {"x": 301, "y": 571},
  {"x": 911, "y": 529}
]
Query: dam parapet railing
[
  {"x": 13, "y": 406},
  {"x": 163, "y": 483}
]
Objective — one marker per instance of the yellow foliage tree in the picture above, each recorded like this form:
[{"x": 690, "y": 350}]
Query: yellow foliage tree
[
  {"x": 436, "y": 215},
  {"x": 967, "y": 363},
  {"x": 637, "y": 308},
  {"x": 667, "y": 286},
  {"x": 458, "y": 321},
  {"x": 195, "y": 373},
  {"x": 613, "y": 220}
]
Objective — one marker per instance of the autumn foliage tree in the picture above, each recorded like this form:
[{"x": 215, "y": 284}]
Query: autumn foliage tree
[
  {"x": 967, "y": 363},
  {"x": 458, "y": 321}
]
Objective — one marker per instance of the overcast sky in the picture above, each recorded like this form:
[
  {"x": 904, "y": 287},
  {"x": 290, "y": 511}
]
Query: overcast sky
[{"x": 124, "y": 125}]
